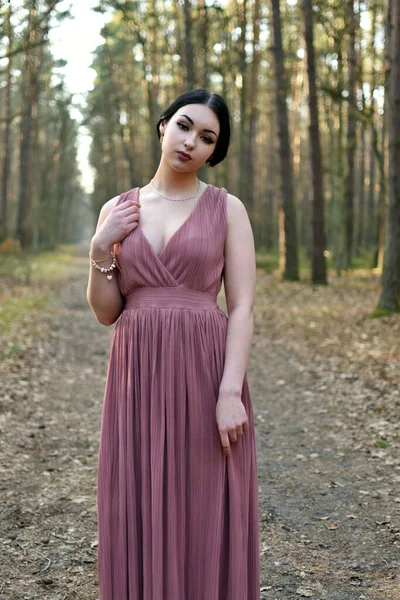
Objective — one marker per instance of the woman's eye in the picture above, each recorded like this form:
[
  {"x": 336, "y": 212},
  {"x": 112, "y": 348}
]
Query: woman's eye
[{"x": 207, "y": 140}]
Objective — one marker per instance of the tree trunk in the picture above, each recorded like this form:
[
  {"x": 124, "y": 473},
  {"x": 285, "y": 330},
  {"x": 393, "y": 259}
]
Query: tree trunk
[
  {"x": 153, "y": 87},
  {"x": 339, "y": 191},
  {"x": 249, "y": 157},
  {"x": 7, "y": 130},
  {"x": 37, "y": 30},
  {"x": 361, "y": 192},
  {"x": 288, "y": 244},
  {"x": 351, "y": 138},
  {"x": 179, "y": 78},
  {"x": 203, "y": 50},
  {"x": 270, "y": 186},
  {"x": 29, "y": 101},
  {"x": 318, "y": 269},
  {"x": 372, "y": 159},
  {"x": 360, "y": 242},
  {"x": 371, "y": 190},
  {"x": 190, "y": 78},
  {"x": 390, "y": 295},
  {"x": 243, "y": 91}
]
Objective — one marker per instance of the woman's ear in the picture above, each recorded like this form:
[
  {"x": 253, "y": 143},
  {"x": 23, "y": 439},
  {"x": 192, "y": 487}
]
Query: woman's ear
[{"x": 162, "y": 127}]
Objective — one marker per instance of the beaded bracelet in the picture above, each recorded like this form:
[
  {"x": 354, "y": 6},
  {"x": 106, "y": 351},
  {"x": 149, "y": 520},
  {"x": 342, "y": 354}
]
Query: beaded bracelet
[{"x": 104, "y": 269}]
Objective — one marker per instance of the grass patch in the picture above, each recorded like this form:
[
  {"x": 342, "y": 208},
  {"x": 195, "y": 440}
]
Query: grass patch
[
  {"x": 380, "y": 312},
  {"x": 269, "y": 261},
  {"x": 14, "y": 311},
  {"x": 51, "y": 265},
  {"x": 29, "y": 284},
  {"x": 382, "y": 444}
]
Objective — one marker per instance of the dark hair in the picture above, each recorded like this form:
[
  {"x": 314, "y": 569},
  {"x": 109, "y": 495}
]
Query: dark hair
[{"x": 218, "y": 105}]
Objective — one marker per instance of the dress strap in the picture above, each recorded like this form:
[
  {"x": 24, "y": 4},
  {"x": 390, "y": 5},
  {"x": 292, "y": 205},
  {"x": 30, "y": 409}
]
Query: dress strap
[
  {"x": 221, "y": 213},
  {"x": 124, "y": 196}
]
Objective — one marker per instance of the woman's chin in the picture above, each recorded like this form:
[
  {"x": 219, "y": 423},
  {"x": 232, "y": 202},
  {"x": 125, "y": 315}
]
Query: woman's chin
[{"x": 182, "y": 167}]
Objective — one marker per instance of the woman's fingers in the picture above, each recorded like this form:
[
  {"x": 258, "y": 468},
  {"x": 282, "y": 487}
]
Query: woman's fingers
[
  {"x": 131, "y": 212},
  {"x": 130, "y": 207},
  {"x": 225, "y": 443},
  {"x": 235, "y": 434},
  {"x": 232, "y": 436},
  {"x": 227, "y": 414}
]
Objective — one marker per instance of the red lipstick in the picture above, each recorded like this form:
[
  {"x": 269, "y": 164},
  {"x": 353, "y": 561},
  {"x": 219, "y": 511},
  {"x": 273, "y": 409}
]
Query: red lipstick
[{"x": 183, "y": 155}]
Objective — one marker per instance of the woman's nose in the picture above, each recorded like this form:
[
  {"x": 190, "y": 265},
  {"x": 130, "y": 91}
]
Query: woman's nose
[{"x": 189, "y": 142}]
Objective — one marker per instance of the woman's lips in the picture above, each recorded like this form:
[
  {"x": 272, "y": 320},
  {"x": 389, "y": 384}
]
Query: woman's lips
[{"x": 183, "y": 156}]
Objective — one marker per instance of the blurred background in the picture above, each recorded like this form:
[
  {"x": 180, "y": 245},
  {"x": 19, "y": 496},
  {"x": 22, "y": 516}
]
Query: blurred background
[
  {"x": 314, "y": 91},
  {"x": 82, "y": 85}
]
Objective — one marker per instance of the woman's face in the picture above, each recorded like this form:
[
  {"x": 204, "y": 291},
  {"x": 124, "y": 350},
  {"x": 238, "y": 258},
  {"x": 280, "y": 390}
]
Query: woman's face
[{"x": 194, "y": 130}]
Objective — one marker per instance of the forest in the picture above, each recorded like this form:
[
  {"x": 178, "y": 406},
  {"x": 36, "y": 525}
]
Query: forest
[{"x": 313, "y": 89}]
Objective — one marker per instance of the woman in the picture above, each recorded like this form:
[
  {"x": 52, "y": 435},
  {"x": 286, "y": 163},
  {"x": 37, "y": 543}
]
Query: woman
[{"x": 177, "y": 500}]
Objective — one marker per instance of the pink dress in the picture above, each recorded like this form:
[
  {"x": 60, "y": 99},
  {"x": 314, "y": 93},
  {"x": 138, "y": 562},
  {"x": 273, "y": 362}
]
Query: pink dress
[{"x": 177, "y": 519}]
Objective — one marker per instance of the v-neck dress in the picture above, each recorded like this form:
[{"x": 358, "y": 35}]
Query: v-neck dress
[{"x": 177, "y": 519}]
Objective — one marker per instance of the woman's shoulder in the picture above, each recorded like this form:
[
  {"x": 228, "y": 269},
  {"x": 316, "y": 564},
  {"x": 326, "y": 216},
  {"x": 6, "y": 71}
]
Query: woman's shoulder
[
  {"x": 118, "y": 199},
  {"x": 231, "y": 199},
  {"x": 108, "y": 206},
  {"x": 235, "y": 208},
  {"x": 112, "y": 203}
]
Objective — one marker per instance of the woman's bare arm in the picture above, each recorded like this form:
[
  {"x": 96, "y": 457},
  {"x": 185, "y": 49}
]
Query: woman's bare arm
[
  {"x": 239, "y": 284},
  {"x": 114, "y": 224},
  {"x": 102, "y": 294}
]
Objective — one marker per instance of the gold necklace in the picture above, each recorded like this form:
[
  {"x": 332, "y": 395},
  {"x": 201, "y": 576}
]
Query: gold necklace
[{"x": 176, "y": 199}]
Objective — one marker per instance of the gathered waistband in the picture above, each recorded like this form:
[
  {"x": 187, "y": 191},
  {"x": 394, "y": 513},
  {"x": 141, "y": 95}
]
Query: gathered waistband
[{"x": 170, "y": 297}]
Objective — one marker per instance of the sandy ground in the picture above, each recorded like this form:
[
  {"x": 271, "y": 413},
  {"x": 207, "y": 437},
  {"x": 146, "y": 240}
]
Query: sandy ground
[{"x": 325, "y": 384}]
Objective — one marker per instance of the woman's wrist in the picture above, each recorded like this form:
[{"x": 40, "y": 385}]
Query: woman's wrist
[
  {"x": 99, "y": 248},
  {"x": 229, "y": 392}
]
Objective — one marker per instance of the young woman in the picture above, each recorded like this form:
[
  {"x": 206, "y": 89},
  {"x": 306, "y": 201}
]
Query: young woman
[{"x": 177, "y": 500}]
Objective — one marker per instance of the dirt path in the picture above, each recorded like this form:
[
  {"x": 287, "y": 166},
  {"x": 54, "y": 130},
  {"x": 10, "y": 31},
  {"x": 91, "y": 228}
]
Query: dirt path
[{"x": 329, "y": 494}]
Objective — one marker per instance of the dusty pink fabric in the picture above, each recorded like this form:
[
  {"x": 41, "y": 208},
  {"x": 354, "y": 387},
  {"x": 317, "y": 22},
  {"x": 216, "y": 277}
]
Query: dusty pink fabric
[{"x": 177, "y": 520}]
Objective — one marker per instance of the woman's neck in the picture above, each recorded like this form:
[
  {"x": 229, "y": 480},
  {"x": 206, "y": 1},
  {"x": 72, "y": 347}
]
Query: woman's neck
[{"x": 170, "y": 182}]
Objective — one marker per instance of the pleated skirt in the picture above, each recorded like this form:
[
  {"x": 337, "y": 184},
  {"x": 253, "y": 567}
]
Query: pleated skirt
[{"x": 177, "y": 519}]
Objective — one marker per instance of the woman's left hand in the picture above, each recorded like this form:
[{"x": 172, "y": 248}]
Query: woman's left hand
[{"x": 232, "y": 420}]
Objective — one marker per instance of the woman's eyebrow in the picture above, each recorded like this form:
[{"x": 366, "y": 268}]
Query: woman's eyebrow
[{"x": 189, "y": 119}]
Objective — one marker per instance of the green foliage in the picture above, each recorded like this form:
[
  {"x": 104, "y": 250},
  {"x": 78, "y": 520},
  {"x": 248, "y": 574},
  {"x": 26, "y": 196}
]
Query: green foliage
[
  {"x": 361, "y": 261},
  {"x": 381, "y": 312},
  {"x": 382, "y": 444},
  {"x": 50, "y": 265},
  {"x": 15, "y": 310},
  {"x": 30, "y": 282},
  {"x": 268, "y": 262}
]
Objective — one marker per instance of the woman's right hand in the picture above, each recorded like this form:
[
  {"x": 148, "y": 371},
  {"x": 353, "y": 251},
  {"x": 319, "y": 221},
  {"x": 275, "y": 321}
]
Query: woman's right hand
[{"x": 119, "y": 222}]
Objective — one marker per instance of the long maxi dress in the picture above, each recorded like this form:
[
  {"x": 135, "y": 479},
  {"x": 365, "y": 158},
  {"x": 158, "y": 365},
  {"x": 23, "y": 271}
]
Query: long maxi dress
[{"x": 177, "y": 519}]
